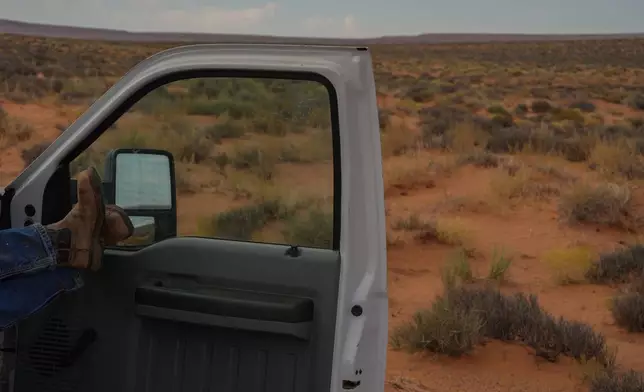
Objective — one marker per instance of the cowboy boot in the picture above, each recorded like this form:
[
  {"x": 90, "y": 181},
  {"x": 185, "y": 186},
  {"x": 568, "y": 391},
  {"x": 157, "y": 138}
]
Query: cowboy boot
[
  {"x": 118, "y": 226},
  {"x": 77, "y": 237}
]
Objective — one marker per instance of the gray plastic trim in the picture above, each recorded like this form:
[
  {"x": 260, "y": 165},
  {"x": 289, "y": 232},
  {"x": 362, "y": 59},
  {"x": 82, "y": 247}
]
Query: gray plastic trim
[{"x": 298, "y": 330}]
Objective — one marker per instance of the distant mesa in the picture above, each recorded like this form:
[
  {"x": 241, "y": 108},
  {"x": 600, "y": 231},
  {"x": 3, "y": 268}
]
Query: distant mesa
[{"x": 45, "y": 30}]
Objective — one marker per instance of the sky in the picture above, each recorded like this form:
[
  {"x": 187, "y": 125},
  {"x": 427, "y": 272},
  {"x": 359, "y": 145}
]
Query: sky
[{"x": 337, "y": 18}]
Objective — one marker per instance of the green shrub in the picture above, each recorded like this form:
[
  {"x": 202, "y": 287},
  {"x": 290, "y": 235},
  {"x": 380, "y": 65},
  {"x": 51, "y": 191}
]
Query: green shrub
[
  {"x": 584, "y": 106},
  {"x": 241, "y": 223},
  {"x": 294, "y": 154},
  {"x": 384, "y": 118},
  {"x": 540, "y": 106},
  {"x": 256, "y": 160},
  {"x": 313, "y": 228},
  {"x": 503, "y": 120},
  {"x": 14, "y": 130},
  {"x": 636, "y": 122},
  {"x": 636, "y": 101},
  {"x": 614, "y": 381},
  {"x": 443, "y": 329},
  {"x": 479, "y": 158},
  {"x": 606, "y": 204},
  {"x": 628, "y": 311},
  {"x": 224, "y": 130},
  {"x": 246, "y": 158},
  {"x": 464, "y": 316},
  {"x": 420, "y": 93},
  {"x": 498, "y": 109},
  {"x": 521, "y": 109},
  {"x": 617, "y": 267},
  {"x": 573, "y": 115},
  {"x": 159, "y": 100},
  {"x": 413, "y": 223},
  {"x": 187, "y": 145},
  {"x": 221, "y": 161},
  {"x": 500, "y": 265},
  {"x": 234, "y": 108},
  {"x": 270, "y": 124}
]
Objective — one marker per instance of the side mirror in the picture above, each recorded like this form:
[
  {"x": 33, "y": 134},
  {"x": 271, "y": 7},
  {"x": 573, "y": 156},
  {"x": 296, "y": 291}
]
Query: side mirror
[{"x": 142, "y": 182}]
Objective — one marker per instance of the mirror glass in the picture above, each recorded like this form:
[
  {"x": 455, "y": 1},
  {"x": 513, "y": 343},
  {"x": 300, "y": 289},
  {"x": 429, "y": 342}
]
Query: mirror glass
[
  {"x": 143, "y": 181},
  {"x": 144, "y": 231}
]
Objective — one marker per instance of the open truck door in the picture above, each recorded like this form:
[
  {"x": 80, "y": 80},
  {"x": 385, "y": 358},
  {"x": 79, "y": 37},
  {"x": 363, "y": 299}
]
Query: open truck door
[{"x": 189, "y": 313}]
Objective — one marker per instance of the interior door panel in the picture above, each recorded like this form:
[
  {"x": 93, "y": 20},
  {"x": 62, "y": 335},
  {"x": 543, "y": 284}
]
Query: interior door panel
[{"x": 190, "y": 314}]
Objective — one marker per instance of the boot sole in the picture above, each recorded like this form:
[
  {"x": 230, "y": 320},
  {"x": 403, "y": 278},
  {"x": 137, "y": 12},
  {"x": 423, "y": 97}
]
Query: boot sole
[
  {"x": 96, "y": 256},
  {"x": 126, "y": 218}
]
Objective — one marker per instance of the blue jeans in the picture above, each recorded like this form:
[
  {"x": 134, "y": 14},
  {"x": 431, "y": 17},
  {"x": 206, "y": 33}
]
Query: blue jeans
[{"x": 29, "y": 279}]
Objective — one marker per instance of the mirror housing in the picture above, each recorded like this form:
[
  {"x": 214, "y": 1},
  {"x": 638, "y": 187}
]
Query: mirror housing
[{"x": 143, "y": 183}]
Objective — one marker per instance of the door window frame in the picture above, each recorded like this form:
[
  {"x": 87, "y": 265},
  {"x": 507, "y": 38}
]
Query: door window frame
[{"x": 149, "y": 87}]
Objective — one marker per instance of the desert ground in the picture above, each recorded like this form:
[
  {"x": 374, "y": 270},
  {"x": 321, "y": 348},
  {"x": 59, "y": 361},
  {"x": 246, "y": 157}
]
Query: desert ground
[{"x": 513, "y": 185}]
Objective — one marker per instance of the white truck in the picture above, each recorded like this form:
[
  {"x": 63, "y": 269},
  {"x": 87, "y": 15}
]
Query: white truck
[{"x": 206, "y": 314}]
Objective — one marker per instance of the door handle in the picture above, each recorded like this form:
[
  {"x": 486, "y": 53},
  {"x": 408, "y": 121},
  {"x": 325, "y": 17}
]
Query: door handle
[{"x": 226, "y": 308}]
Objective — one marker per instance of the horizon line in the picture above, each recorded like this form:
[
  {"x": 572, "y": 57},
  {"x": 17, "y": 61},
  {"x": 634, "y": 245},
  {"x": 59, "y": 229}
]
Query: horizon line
[{"x": 410, "y": 35}]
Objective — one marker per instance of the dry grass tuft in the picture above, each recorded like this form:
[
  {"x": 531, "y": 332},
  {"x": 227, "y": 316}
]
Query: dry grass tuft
[
  {"x": 446, "y": 231},
  {"x": 501, "y": 263},
  {"x": 605, "y": 204},
  {"x": 617, "y": 159},
  {"x": 569, "y": 265}
]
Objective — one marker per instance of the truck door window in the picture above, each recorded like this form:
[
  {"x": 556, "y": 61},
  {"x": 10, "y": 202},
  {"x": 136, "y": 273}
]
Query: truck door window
[{"x": 253, "y": 157}]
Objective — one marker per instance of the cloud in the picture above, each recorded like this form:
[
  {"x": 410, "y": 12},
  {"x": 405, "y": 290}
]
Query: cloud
[
  {"x": 318, "y": 26},
  {"x": 206, "y": 19}
]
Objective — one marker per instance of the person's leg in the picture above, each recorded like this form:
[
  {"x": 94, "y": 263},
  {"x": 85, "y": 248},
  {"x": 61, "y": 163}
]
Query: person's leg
[
  {"x": 25, "y": 250},
  {"x": 35, "y": 248},
  {"x": 29, "y": 256},
  {"x": 22, "y": 296}
]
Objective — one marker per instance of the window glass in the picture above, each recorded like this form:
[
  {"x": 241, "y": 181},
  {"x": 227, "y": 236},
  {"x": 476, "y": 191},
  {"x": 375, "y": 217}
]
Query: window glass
[{"x": 253, "y": 158}]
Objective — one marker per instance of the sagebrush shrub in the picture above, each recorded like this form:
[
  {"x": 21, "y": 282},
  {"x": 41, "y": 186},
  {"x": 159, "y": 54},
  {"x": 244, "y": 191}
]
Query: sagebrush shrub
[
  {"x": 498, "y": 109},
  {"x": 241, "y": 223},
  {"x": 443, "y": 329},
  {"x": 614, "y": 381},
  {"x": 584, "y": 106},
  {"x": 628, "y": 311},
  {"x": 224, "y": 130},
  {"x": 479, "y": 158},
  {"x": 14, "y": 130},
  {"x": 636, "y": 101},
  {"x": 521, "y": 109},
  {"x": 193, "y": 150},
  {"x": 313, "y": 228},
  {"x": 607, "y": 204},
  {"x": 541, "y": 106},
  {"x": 617, "y": 266},
  {"x": 475, "y": 313},
  {"x": 618, "y": 158}
]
